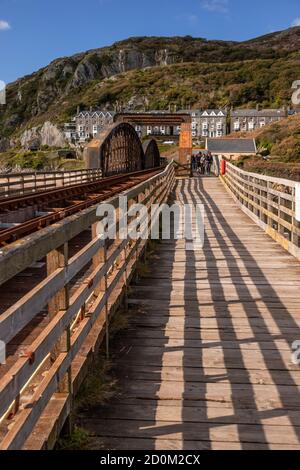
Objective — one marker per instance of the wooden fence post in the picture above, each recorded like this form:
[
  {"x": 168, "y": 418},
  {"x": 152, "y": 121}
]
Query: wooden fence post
[
  {"x": 100, "y": 258},
  {"x": 59, "y": 259}
]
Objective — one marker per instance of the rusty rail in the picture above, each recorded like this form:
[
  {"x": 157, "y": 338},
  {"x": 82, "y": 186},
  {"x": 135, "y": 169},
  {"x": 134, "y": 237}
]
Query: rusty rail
[{"x": 90, "y": 193}]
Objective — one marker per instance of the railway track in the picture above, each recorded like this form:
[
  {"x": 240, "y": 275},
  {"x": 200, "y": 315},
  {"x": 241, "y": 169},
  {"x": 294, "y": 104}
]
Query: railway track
[{"x": 53, "y": 205}]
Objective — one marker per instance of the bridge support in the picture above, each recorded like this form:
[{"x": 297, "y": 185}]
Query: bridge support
[
  {"x": 183, "y": 120},
  {"x": 185, "y": 143},
  {"x": 118, "y": 149}
]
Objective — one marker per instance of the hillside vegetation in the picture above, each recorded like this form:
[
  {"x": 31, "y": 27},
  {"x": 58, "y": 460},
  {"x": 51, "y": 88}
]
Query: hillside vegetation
[
  {"x": 152, "y": 73},
  {"x": 280, "y": 142}
]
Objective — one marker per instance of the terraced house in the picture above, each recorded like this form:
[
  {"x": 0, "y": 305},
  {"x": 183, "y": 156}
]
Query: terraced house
[
  {"x": 87, "y": 124},
  {"x": 209, "y": 123},
  {"x": 247, "y": 120},
  {"x": 205, "y": 123}
]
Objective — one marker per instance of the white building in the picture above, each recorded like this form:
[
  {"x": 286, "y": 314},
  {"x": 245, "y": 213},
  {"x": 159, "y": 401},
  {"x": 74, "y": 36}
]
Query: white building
[{"x": 87, "y": 124}]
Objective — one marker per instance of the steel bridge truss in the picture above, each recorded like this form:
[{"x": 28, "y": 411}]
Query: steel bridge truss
[{"x": 118, "y": 149}]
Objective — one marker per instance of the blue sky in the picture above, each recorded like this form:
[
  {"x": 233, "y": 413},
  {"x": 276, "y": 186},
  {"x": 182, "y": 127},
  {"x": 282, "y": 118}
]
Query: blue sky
[{"x": 34, "y": 32}]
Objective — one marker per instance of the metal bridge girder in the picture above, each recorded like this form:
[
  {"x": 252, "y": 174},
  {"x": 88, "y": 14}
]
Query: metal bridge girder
[{"x": 118, "y": 149}]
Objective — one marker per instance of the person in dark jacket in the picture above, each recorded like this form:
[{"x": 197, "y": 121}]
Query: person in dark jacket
[
  {"x": 194, "y": 162},
  {"x": 208, "y": 163},
  {"x": 199, "y": 155}
]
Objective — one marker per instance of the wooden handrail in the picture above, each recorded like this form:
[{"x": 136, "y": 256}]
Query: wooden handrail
[
  {"x": 269, "y": 201},
  {"x": 13, "y": 184},
  {"x": 121, "y": 257}
]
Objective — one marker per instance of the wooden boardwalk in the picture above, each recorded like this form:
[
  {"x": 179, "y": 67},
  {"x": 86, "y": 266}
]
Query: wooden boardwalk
[{"x": 207, "y": 362}]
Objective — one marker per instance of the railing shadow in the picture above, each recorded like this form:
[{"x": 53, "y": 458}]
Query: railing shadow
[{"x": 249, "y": 305}]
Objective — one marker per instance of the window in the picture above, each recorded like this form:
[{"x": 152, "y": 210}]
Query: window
[{"x": 237, "y": 126}]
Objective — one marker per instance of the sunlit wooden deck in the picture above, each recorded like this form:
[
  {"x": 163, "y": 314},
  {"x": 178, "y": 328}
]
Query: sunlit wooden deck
[{"x": 207, "y": 362}]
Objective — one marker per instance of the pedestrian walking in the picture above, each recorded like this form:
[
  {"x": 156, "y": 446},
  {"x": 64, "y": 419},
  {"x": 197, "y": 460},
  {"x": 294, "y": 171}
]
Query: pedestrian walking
[
  {"x": 199, "y": 162},
  {"x": 194, "y": 162},
  {"x": 208, "y": 163}
]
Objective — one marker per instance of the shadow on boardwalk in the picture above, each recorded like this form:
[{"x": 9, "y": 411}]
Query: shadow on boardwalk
[{"x": 208, "y": 363}]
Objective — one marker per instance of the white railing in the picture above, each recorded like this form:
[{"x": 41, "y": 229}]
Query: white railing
[{"x": 271, "y": 202}]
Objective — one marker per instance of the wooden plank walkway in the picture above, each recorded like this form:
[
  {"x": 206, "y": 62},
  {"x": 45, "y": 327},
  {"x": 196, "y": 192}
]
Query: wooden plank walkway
[{"x": 207, "y": 363}]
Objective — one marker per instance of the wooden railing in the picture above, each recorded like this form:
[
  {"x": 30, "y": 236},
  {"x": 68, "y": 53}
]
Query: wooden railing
[
  {"x": 13, "y": 184},
  {"x": 56, "y": 362},
  {"x": 270, "y": 202}
]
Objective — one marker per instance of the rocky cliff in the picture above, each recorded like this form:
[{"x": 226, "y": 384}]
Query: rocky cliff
[
  {"x": 47, "y": 134},
  {"x": 52, "y": 93}
]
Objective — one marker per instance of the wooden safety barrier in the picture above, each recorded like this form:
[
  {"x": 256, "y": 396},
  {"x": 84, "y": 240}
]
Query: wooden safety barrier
[
  {"x": 13, "y": 184},
  {"x": 58, "y": 359},
  {"x": 270, "y": 202}
]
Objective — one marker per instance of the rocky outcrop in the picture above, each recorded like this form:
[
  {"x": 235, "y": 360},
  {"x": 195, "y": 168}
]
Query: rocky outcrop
[
  {"x": 48, "y": 134},
  {"x": 32, "y": 96}
]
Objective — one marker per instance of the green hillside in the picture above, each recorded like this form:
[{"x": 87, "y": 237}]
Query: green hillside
[{"x": 147, "y": 73}]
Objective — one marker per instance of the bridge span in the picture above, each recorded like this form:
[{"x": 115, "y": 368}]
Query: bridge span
[{"x": 207, "y": 360}]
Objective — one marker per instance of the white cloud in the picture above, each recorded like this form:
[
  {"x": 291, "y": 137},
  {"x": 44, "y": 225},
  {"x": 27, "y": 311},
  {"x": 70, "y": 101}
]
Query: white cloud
[
  {"x": 220, "y": 6},
  {"x": 4, "y": 25},
  {"x": 296, "y": 22}
]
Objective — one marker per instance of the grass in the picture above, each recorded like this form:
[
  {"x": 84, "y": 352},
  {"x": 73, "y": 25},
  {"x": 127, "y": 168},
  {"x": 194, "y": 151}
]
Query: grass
[
  {"x": 39, "y": 160},
  {"x": 98, "y": 387},
  {"x": 271, "y": 167},
  {"x": 77, "y": 441}
]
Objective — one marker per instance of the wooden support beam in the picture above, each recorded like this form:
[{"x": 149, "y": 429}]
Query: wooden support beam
[
  {"x": 100, "y": 258},
  {"x": 57, "y": 259}
]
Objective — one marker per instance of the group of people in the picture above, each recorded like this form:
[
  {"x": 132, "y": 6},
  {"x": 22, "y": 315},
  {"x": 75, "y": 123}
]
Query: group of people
[{"x": 202, "y": 163}]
